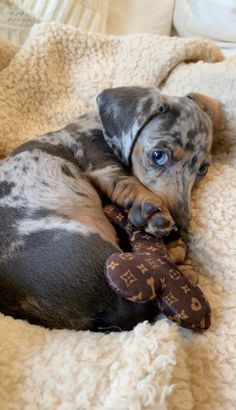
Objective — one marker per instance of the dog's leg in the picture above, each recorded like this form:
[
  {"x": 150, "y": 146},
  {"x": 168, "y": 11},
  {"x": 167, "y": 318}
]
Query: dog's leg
[
  {"x": 100, "y": 166},
  {"x": 146, "y": 210}
]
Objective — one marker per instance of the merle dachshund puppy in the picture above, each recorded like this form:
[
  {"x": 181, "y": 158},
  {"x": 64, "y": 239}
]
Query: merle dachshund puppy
[{"x": 142, "y": 150}]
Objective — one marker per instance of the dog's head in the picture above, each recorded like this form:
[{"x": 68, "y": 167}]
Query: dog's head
[{"x": 165, "y": 140}]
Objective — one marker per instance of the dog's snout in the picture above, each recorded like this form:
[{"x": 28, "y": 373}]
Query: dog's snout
[
  {"x": 180, "y": 213},
  {"x": 181, "y": 220}
]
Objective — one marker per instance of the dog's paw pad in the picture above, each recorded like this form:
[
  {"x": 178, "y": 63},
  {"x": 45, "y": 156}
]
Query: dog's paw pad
[
  {"x": 155, "y": 219},
  {"x": 138, "y": 220},
  {"x": 150, "y": 208},
  {"x": 159, "y": 221}
]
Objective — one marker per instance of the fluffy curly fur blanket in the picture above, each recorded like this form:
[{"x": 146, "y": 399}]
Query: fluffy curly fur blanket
[{"x": 53, "y": 78}]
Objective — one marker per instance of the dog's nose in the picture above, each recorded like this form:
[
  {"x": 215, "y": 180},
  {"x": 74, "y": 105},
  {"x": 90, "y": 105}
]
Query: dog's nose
[
  {"x": 181, "y": 221},
  {"x": 180, "y": 214}
]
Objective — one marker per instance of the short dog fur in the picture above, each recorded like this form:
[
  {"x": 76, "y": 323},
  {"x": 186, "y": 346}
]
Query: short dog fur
[{"x": 142, "y": 150}]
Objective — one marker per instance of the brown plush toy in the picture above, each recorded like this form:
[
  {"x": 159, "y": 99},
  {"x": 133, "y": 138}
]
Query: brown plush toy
[{"x": 148, "y": 274}]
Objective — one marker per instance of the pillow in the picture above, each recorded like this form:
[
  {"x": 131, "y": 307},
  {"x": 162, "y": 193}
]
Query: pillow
[
  {"x": 17, "y": 16},
  {"x": 138, "y": 16},
  {"x": 214, "y": 19},
  {"x": 15, "y": 25}
]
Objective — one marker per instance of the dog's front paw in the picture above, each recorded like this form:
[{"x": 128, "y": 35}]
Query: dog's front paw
[
  {"x": 177, "y": 251},
  {"x": 190, "y": 272},
  {"x": 153, "y": 217}
]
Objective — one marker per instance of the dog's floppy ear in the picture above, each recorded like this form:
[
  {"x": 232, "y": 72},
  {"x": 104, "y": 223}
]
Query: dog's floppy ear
[
  {"x": 124, "y": 111},
  {"x": 209, "y": 105}
]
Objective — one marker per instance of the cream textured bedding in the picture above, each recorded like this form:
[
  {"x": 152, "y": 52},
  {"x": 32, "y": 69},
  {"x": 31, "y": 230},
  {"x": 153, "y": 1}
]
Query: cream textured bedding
[{"x": 50, "y": 80}]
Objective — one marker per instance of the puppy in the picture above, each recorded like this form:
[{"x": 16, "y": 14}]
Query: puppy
[{"x": 142, "y": 150}]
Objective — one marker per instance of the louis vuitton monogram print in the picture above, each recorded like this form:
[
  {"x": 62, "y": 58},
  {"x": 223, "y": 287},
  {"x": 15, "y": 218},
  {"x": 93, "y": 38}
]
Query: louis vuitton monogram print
[{"x": 148, "y": 274}]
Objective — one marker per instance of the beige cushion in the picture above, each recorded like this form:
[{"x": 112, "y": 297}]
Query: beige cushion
[{"x": 139, "y": 16}]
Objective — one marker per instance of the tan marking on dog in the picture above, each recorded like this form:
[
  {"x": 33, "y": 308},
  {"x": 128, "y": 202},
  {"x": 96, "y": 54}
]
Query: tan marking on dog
[
  {"x": 104, "y": 178},
  {"x": 138, "y": 150},
  {"x": 178, "y": 153},
  {"x": 211, "y": 105},
  {"x": 97, "y": 222},
  {"x": 191, "y": 273},
  {"x": 177, "y": 251}
]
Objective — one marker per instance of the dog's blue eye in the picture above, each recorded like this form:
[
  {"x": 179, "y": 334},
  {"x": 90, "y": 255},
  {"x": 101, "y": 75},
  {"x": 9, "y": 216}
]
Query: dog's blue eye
[
  {"x": 203, "y": 170},
  {"x": 160, "y": 157}
]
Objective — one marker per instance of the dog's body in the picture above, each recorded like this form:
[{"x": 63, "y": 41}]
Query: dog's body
[{"x": 55, "y": 237}]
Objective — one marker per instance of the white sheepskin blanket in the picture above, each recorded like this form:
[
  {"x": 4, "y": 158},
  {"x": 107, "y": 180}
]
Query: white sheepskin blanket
[{"x": 53, "y": 78}]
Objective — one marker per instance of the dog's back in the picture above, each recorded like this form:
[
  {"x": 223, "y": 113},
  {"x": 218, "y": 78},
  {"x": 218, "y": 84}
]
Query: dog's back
[{"x": 51, "y": 267}]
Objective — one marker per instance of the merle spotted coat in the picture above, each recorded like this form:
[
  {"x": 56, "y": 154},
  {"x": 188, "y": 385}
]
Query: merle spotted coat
[{"x": 142, "y": 150}]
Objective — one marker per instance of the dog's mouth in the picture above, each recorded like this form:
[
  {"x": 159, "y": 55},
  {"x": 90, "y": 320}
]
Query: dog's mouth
[{"x": 174, "y": 235}]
